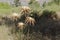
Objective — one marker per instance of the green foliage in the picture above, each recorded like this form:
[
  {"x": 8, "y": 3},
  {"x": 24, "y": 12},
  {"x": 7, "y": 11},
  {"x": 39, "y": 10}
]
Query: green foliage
[
  {"x": 35, "y": 5},
  {"x": 53, "y": 7},
  {"x": 4, "y": 11},
  {"x": 48, "y": 13},
  {"x": 4, "y": 6},
  {"x": 57, "y": 2}
]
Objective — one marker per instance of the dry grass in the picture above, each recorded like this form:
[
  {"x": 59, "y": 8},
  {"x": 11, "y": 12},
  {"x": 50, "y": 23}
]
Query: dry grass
[{"x": 4, "y": 31}]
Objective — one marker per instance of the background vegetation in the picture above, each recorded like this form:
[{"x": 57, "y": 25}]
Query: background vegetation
[{"x": 5, "y": 8}]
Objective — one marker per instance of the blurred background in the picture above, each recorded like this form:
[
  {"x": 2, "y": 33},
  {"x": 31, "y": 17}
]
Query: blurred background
[{"x": 9, "y": 5}]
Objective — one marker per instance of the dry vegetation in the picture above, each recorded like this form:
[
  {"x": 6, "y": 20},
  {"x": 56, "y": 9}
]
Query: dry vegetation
[{"x": 28, "y": 25}]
